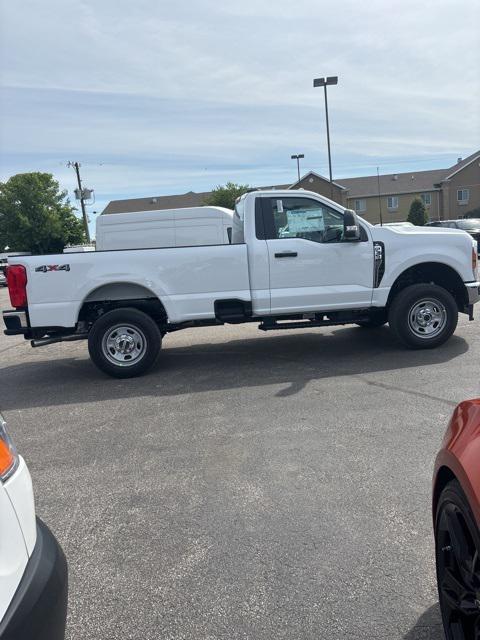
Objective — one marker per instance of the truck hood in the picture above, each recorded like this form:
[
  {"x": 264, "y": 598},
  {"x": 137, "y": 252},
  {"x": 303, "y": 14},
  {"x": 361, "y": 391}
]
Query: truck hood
[{"x": 380, "y": 233}]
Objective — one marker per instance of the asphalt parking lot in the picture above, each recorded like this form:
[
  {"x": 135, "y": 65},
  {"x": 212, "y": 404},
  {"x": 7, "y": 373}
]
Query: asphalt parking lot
[{"x": 252, "y": 485}]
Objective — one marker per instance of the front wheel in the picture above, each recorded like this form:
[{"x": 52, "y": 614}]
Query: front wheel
[
  {"x": 423, "y": 316},
  {"x": 124, "y": 343},
  {"x": 457, "y": 550}
]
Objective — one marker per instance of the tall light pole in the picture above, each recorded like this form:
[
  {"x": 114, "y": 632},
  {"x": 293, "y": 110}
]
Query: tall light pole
[
  {"x": 297, "y": 158},
  {"x": 324, "y": 82}
]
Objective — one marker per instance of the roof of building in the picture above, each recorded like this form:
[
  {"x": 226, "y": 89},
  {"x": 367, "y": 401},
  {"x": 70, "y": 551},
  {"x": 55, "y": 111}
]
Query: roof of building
[
  {"x": 156, "y": 203},
  {"x": 190, "y": 199},
  {"x": 394, "y": 183},
  {"x": 317, "y": 175},
  {"x": 463, "y": 163},
  {"x": 409, "y": 182}
]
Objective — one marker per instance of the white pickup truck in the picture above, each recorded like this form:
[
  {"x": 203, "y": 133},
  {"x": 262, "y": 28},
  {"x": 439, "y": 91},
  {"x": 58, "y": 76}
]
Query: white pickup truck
[{"x": 296, "y": 260}]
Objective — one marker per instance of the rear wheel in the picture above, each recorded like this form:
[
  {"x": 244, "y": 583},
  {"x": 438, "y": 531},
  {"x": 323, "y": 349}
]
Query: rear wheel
[
  {"x": 423, "y": 316},
  {"x": 124, "y": 343},
  {"x": 457, "y": 545}
]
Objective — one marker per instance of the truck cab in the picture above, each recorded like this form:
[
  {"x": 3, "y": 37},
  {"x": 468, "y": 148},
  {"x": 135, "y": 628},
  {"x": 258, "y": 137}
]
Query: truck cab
[{"x": 301, "y": 255}]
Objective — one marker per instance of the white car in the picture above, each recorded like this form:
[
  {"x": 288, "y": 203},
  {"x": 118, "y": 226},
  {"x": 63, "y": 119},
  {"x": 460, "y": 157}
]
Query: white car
[
  {"x": 33, "y": 569},
  {"x": 3, "y": 279}
]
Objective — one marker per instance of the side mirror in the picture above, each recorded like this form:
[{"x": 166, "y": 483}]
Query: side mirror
[{"x": 351, "y": 228}]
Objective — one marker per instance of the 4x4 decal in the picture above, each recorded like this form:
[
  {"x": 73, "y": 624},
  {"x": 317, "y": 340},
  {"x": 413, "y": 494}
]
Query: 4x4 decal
[{"x": 53, "y": 267}]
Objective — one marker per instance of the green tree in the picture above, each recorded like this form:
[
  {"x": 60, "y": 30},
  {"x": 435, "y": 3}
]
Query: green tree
[
  {"x": 417, "y": 214},
  {"x": 473, "y": 213},
  {"x": 225, "y": 196},
  {"x": 36, "y": 216}
]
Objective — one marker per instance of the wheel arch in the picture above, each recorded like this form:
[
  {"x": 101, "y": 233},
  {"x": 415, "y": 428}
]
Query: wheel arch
[
  {"x": 114, "y": 295},
  {"x": 451, "y": 468},
  {"x": 437, "y": 273},
  {"x": 443, "y": 476}
]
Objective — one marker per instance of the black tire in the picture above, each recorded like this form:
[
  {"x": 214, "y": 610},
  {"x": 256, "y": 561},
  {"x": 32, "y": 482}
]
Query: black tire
[
  {"x": 109, "y": 352},
  {"x": 406, "y": 308},
  {"x": 457, "y": 554}
]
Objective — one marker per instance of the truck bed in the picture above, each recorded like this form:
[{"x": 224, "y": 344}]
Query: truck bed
[{"x": 187, "y": 280}]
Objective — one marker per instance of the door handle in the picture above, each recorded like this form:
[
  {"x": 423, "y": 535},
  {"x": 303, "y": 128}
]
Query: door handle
[{"x": 286, "y": 254}]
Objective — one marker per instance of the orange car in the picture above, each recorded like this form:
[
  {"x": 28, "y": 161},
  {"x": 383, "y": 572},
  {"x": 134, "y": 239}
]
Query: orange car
[{"x": 456, "y": 517}]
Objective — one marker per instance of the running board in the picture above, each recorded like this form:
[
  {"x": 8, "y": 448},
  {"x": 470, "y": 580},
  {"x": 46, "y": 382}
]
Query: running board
[{"x": 306, "y": 324}]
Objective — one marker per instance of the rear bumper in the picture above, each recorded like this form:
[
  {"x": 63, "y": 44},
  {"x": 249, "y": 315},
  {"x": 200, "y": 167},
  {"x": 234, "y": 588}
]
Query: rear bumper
[
  {"x": 39, "y": 607},
  {"x": 16, "y": 322}
]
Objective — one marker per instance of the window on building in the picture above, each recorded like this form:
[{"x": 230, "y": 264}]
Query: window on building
[
  {"x": 392, "y": 202},
  {"x": 427, "y": 199},
  {"x": 463, "y": 196},
  {"x": 360, "y": 205}
]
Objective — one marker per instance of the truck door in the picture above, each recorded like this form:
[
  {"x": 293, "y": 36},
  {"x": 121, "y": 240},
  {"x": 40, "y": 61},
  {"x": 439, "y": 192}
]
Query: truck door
[{"x": 311, "y": 267}]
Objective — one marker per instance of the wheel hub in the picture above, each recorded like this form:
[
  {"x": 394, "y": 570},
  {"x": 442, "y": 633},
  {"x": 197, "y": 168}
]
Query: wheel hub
[
  {"x": 124, "y": 345},
  {"x": 427, "y": 318},
  {"x": 424, "y": 317}
]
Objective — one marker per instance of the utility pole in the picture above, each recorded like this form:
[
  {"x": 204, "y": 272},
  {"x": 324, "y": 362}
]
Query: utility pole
[
  {"x": 379, "y": 198},
  {"x": 76, "y": 166},
  {"x": 297, "y": 158}
]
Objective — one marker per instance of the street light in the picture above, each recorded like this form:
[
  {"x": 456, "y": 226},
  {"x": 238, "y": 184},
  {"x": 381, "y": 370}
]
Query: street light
[
  {"x": 324, "y": 82},
  {"x": 297, "y": 158}
]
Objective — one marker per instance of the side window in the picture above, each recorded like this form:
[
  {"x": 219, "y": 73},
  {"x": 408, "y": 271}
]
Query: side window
[{"x": 307, "y": 219}]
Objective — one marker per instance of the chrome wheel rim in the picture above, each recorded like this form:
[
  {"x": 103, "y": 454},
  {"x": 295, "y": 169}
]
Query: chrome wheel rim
[
  {"x": 427, "y": 318},
  {"x": 458, "y": 563},
  {"x": 124, "y": 345}
]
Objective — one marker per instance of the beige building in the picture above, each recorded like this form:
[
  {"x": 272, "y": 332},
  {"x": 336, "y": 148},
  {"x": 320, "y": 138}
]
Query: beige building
[{"x": 447, "y": 193}]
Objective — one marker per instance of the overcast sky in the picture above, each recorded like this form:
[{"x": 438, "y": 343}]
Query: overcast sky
[{"x": 156, "y": 97}]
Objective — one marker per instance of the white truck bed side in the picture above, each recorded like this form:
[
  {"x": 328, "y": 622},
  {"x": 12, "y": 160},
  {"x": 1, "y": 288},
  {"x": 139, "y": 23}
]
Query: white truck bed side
[{"x": 186, "y": 280}]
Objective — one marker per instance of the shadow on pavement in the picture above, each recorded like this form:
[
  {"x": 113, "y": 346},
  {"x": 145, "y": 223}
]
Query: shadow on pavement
[
  {"x": 288, "y": 358},
  {"x": 428, "y": 626}
]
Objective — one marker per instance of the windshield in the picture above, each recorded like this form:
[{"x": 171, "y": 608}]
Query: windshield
[{"x": 474, "y": 223}]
